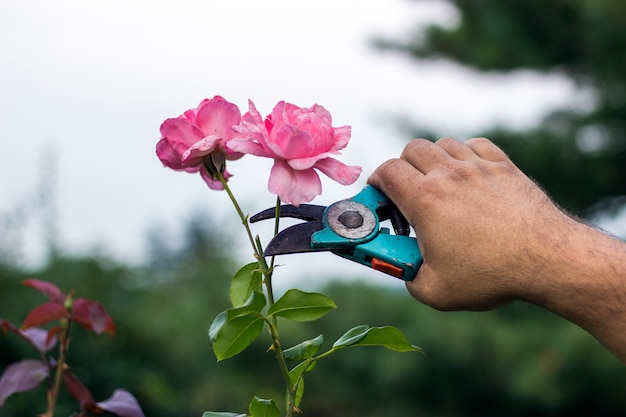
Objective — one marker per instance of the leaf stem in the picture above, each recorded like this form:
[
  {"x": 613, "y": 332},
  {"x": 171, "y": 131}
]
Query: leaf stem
[
  {"x": 64, "y": 344},
  {"x": 276, "y": 225},
  {"x": 282, "y": 364},
  {"x": 242, "y": 217},
  {"x": 267, "y": 271}
]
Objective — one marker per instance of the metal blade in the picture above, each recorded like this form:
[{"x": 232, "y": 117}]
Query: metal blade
[
  {"x": 307, "y": 212},
  {"x": 294, "y": 239},
  {"x": 399, "y": 223},
  {"x": 388, "y": 211}
]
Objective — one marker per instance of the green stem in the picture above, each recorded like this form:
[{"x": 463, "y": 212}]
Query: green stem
[
  {"x": 276, "y": 225},
  {"x": 242, "y": 217},
  {"x": 282, "y": 364},
  {"x": 64, "y": 344},
  {"x": 323, "y": 355},
  {"x": 267, "y": 271}
]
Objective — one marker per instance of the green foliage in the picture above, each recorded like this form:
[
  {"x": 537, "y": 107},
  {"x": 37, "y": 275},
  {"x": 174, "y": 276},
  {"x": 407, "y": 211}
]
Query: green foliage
[
  {"x": 235, "y": 329},
  {"x": 263, "y": 408},
  {"x": 388, "y": 336},
  {"x": 244, "y": 282},
  {"x": 304, "y": 350},
  {"x": 519, "y": 361},
  {"x": 301, "y": 306}
]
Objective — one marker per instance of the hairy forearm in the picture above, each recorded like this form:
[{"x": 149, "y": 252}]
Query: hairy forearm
[{"x": 586, "y": 284}]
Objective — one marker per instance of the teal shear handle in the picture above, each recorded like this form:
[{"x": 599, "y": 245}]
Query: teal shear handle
[{"x": 351, "y": 229}]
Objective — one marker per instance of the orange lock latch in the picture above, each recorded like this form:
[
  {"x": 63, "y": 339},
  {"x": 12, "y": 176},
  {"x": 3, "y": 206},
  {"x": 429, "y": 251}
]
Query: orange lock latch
[{"x": 387, "y": 268}]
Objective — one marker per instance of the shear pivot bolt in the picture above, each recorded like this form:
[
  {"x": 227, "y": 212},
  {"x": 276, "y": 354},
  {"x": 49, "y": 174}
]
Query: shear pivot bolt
[{"x": 351, "y": 219}]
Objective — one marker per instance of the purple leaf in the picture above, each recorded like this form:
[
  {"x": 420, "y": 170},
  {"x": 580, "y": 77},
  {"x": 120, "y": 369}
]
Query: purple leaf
[
  {"x": 50, "y": 290},
  {"x": 122, "y": 403},
  {"x": 78, "y": 390},
  {"x": 92, "y": 315},
  {"x": 45, "y": 313},
  {"x": 22, "y": 376},
  {"x": 39, "y": 338}
]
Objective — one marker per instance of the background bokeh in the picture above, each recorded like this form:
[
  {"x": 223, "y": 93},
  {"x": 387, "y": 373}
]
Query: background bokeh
[{"x": 85, "y": 203}]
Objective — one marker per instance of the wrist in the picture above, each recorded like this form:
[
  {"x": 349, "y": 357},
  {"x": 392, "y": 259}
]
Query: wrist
[{"x": 581, "y": 278}]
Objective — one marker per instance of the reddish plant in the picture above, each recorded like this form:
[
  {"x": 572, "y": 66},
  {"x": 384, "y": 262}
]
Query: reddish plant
[{"x": 62, "y": 310}]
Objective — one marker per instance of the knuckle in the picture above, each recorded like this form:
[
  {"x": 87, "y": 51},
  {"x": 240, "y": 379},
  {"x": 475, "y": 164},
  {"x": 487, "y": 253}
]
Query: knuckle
[
  {"x": 385, "y": 173},
  {"x": 481, "y": 141},
  {"x": 430, "y": 192},
  {"x": 416, "y": 146},
  {"x": 465, "y": 170},
  {"x": 447, "y": 141}
]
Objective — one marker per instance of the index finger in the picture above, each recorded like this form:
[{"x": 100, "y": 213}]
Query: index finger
[{"x": 396, "y": 179}]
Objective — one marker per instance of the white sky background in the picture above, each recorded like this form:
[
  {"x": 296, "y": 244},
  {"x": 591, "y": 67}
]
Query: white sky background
[{"x": 91, "y": 81}]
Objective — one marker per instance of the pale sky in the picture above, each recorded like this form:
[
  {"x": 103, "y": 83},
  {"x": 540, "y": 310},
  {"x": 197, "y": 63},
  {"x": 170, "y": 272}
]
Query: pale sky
[{"x": 89, "y": 82}]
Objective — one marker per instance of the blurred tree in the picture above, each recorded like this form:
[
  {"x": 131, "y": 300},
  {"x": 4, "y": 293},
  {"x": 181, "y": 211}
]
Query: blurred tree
[
  {"x": 579, "y": 156},
  {"x": 518, "y": 361},
  {"x": 162, "y": 310}
]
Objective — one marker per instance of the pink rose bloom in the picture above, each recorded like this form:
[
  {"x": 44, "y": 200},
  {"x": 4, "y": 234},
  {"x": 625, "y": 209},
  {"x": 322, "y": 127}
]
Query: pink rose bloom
[
  {"x": 301, "y": 141},
  {"x": 196, "y": 140}
]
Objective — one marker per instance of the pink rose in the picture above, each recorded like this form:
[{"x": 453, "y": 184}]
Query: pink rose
[
  {"x": 196, "y": 140},
  {"x": 301, "y": 141}
]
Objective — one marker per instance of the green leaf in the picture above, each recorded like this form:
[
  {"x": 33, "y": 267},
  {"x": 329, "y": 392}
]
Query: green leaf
[
  {"x": 299, "y": 392},
  {"x": 304, "y": 350},
  {"x": 231, "y": 336},
  {"x": 263, "y": 408},
  {"x": 301, "y": 368},
  {"x": 234, "y": 329},
  {"x": 245, "y": 281},
  {"x": 254, "y": 304},
  {"x": 352, "y": 336},
  {"x": 388, "y": 336},
  {"x": 220, "y": 414},
  {"x": 216, "y": 326},
  {"x": 301, "y": 306},
  {"x": 295, "y": 375}
]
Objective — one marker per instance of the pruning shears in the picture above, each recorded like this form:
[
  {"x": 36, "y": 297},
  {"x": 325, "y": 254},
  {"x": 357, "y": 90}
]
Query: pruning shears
[{"x": 351, "y": 229}]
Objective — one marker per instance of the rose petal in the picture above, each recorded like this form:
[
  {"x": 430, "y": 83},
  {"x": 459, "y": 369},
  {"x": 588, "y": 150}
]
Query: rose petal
[
  {"x": 168, "y": 156},
  {"x": 341, "y": 136},
  {"x": 217, "y": 117},
  {"x": 200, "y": 149},
  {"x": 339, "y": 171},
  {"x": 247, "y": 147},
  {"x": 293, "y": 186},
  {"x": 288, "y": 142},
  {"x": 252, "y": 116},
  {"x": 322, "y": 113},
  {"x": 306, "y": 163},
  {"x": 180, "y": 134}
]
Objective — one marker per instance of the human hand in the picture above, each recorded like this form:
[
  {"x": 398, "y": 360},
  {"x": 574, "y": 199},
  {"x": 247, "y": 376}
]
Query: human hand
[{"x": 486, "y": 231}]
